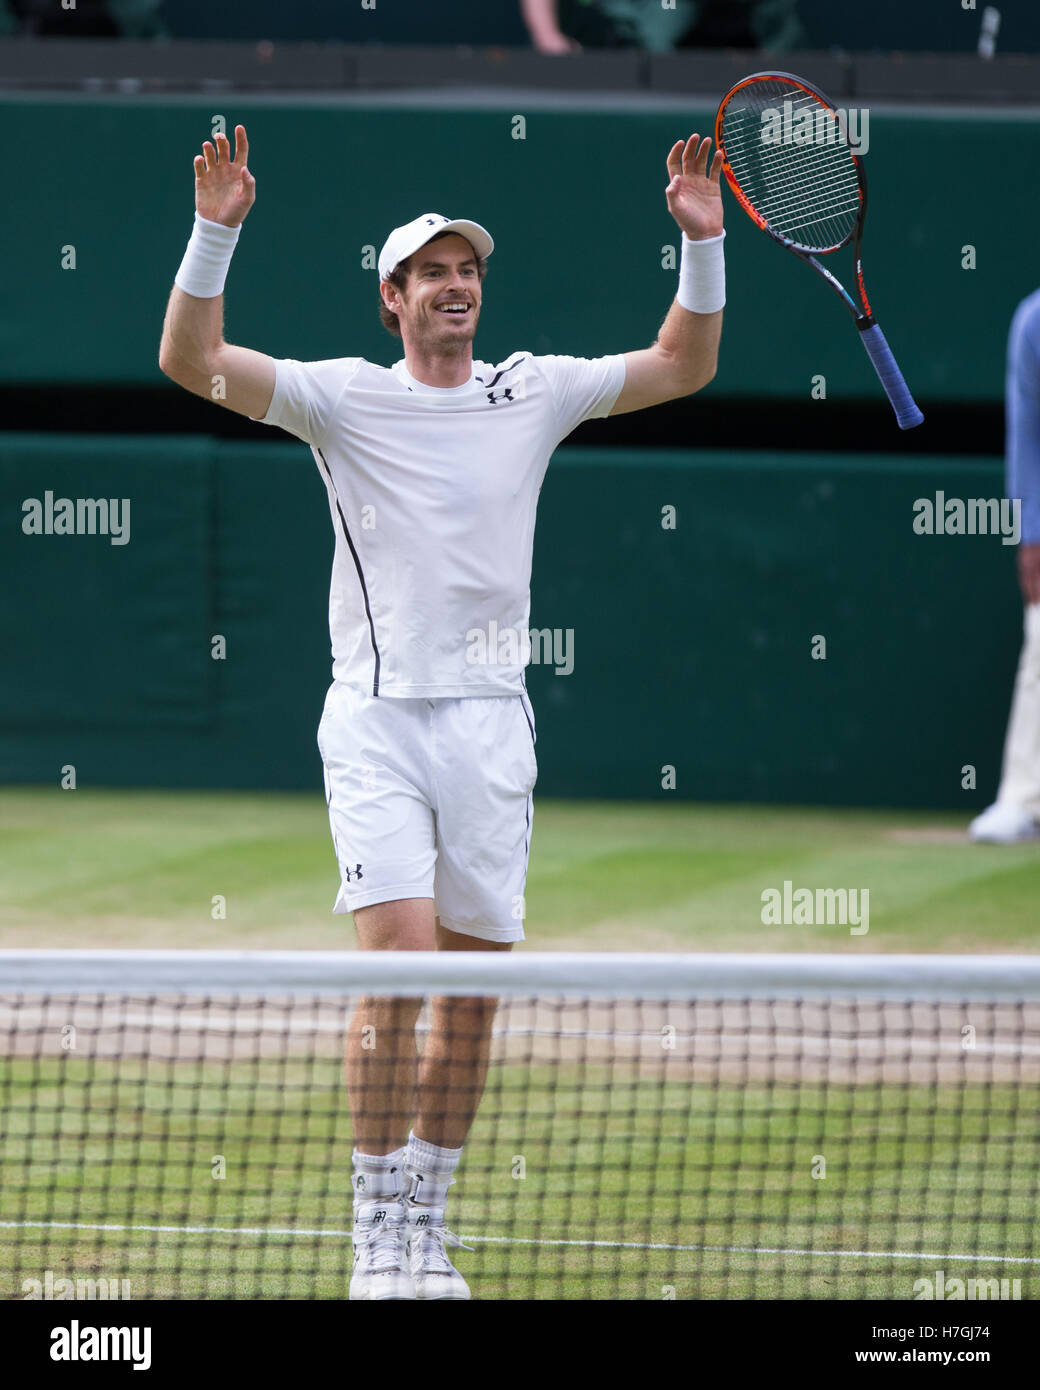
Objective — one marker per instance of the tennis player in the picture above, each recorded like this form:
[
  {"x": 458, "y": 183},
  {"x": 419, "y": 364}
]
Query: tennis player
[
  {"x": 1015, "y": 815},
  {"x": 433, "y": 468}
]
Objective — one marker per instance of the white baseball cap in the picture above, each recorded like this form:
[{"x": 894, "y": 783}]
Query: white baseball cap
[{"x": 405, "y": 241}]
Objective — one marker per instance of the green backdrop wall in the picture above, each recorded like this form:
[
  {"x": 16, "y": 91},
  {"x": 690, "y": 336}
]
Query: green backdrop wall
[
  {"x": 692, "y": 645},
  {"x": 577, "y": 209}
]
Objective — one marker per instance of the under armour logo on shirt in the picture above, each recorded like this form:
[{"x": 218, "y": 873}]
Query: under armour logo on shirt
[{"x": 495, "y": 396}]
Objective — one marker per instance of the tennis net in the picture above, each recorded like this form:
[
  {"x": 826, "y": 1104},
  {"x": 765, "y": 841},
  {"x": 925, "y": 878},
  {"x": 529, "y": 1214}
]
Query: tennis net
[{"x": 175, "y": 1125}]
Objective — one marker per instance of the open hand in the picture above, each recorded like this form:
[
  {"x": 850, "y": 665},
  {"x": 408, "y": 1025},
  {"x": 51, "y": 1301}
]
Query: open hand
[
  {"x": 693, "y": 193},
  {"x": 224, "y": 188}
]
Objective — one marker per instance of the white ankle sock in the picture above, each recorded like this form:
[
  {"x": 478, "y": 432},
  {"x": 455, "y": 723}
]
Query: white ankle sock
[
  {"x": 377, "y": 1176},
  {"x": 429, "y": 1171}
]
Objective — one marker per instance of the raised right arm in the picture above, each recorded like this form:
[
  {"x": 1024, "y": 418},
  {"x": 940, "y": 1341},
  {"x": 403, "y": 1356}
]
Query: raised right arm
[
  {"x": 543, "y": 25},
  {"x": 193, "y": 351}
]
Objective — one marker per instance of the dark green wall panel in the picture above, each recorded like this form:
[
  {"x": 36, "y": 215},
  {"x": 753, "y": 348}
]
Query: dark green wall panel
[
  {"x": 107, "y": 631},
  {"x": 578, "y": 212},
  {"x": 692, "y": 646}
]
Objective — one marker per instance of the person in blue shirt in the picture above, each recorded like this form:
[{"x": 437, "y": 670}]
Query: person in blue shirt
[{"x": 1015, "y": 815}]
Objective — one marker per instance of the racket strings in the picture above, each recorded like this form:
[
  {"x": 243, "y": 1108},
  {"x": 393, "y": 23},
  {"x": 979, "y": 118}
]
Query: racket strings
[
  {"x": 828, "y": 197},
  {"x": 814, "y": 202},
  {"x": 807, "y": 192},
  {"x": 819, "y": 215}
]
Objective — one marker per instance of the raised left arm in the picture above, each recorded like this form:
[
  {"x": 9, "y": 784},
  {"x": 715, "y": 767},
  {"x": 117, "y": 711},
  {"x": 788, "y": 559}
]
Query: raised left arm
[{"x": 685, "y": 356}]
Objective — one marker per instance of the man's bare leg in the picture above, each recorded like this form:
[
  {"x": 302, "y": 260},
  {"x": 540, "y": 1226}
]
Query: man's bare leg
[
  {"x": 401, "y": 1178},
  {"x": 381, "y": 1065},
  {"x": 452, "y": 1074},
  {"x": 381, "y": 1056},
  {"x": 454, "y": 1065}
]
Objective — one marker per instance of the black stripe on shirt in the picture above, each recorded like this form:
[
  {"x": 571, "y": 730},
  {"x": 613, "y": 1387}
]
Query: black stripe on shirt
[
  {"x": 360, "y": 574},
  {"x": 499, "y": 375}
]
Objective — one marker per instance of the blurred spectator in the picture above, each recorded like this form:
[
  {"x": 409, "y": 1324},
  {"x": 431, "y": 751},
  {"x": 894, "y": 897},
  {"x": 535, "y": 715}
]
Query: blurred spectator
[
  {"x": 1015, "y": 815},
  {"x": 567, "y": 26},
  {"x": 96, "y": 19}
]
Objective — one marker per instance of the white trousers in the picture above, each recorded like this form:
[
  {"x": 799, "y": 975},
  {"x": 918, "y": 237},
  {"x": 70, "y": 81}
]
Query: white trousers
[{"x": 1020, "y": 779}]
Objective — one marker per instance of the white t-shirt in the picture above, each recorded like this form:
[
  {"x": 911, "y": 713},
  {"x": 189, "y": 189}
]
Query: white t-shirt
[{"x": 434, "y": 522}]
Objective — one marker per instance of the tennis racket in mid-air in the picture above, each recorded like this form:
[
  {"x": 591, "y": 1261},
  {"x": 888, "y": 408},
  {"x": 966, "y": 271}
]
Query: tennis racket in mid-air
[{"x": 789, "y": 161}]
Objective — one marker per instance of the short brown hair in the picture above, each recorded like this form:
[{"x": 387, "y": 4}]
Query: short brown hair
[{"x": 398, "y": 277}]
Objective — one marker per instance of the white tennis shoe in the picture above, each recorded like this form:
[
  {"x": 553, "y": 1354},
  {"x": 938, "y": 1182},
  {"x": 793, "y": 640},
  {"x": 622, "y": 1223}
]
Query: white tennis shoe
[
  {"x": 381, "y": 1269},
  {"x": 1002, "y": 824},
  {"x": 433, "y": 1274}
]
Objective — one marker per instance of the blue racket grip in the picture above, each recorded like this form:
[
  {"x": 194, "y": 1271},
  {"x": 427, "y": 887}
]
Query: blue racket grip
[{"x": 896, "y": 389}]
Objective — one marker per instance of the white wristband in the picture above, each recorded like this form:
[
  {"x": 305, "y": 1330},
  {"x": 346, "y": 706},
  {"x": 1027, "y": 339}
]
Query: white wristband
[
  {"x": 702, "y": 275},
  {"x": 205, "y": 265}
]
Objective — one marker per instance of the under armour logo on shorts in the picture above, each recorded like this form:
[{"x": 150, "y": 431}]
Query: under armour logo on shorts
[{"x": 350, "y": 875}]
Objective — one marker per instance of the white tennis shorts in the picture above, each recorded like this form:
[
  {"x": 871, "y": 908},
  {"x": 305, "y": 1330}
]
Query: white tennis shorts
[{"x": 432, "y": 799}]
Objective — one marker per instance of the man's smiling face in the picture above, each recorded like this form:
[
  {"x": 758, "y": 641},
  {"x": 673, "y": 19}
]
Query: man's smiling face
[{"x": 440, "y": 303}]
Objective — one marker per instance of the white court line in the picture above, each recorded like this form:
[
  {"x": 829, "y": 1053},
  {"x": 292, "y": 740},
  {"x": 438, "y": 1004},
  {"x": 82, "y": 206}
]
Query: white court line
[
  {"x": 243, "y": 1028},
  {"x": 523, "y": 1240}
]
